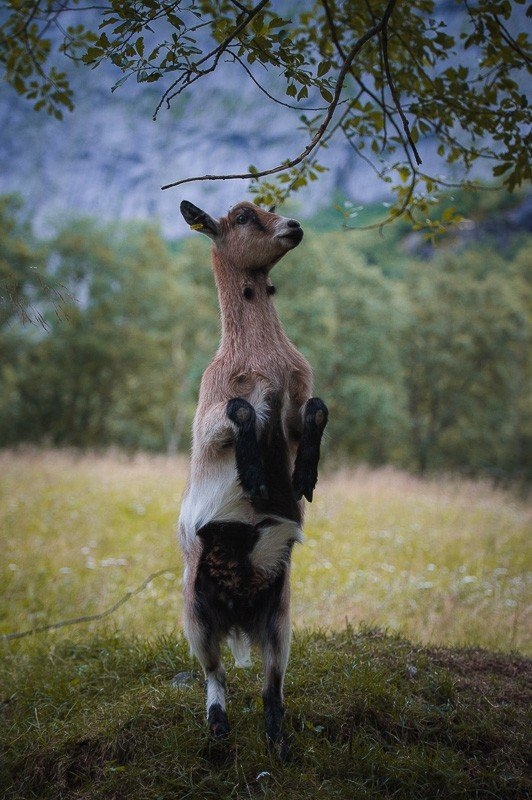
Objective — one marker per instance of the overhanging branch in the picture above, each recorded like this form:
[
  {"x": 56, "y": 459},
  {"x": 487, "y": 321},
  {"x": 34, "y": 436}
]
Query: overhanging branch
[{"x": 375, "y": 30}]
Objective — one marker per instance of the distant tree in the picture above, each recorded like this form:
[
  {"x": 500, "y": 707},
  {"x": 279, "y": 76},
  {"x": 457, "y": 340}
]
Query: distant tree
[
  {"x": 467, "y": 364},
  {"x": 103, "y": 373},
  {"x": 382, "y": 74},
  {"x": 346, "y": 317},
  {"x": 22, "y": 260}
]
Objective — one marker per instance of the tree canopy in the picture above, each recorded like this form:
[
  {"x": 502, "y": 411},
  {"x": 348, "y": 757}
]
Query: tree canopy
[{"x": 390, "y": 77}]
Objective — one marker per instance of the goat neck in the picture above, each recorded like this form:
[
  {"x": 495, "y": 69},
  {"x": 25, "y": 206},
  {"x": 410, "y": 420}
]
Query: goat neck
[{"x": 250, "y": 324}]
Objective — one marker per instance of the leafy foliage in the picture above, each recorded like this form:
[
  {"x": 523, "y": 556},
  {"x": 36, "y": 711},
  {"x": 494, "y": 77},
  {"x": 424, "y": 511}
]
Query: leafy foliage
[{"x": 388, "y": 77}]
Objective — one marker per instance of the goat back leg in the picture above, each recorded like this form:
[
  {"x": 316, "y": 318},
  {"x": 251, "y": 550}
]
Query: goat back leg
[
  {"x": 216, "y": 714},
  {"x": 305, "y": 474},
  {"x": 275, "y": 652},
  {"x": 205, "y": 641},
  {"x": 249, "y": 464}
]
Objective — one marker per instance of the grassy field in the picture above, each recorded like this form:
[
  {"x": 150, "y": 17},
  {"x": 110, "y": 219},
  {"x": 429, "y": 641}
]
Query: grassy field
[
  {"x": 440, "y": 561},
  {"x": 114, "y": 708}
]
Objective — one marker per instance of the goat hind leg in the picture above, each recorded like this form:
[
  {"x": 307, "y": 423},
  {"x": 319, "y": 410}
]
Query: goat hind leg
[
  {"x": 247, "y": 452},
  {"x": 305, "y": 474},
  {"x": 205, "y": 644},
  {"x": 216, "y": 713},
  {"x": 275, "y": 652}
]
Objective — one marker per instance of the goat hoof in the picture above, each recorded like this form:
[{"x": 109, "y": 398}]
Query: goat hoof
[
  {"x": 240, "y": 412},
  {"x": 316, "y": 413},
  {"x": 303, "y": 485},
  {"x": 308, "y": 494},
  {"x": 319, "y": 418},
  {"x": 218, "y": 722}
]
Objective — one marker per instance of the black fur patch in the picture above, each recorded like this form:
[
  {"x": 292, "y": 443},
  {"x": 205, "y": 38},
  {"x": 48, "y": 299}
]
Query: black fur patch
[
  {"x": 248, "y": 457},
  {"x": 229, "y": 590},
  {"x": 281, "y": 500},
  {"x": 308, "y": 453}
]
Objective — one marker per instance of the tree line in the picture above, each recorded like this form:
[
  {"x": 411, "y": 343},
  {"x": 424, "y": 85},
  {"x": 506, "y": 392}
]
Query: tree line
[{"x": 422, "y": 352}]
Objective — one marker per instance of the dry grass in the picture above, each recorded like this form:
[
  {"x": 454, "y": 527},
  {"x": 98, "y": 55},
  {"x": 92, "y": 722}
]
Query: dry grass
[{"x": 442, "y": 561}]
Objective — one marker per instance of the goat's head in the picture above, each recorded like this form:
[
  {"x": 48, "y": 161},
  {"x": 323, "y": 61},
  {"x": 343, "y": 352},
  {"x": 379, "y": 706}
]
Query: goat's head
[{"x": 250, "y": 237}]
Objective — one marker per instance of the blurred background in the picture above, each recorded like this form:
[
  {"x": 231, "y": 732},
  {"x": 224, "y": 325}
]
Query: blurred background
[
  {"x": 420, "y": 344},
  {"x": 419, "y": 339}
]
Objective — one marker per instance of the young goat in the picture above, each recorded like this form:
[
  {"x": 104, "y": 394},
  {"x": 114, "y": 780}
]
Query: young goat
[{"x": 255, "y": 452}]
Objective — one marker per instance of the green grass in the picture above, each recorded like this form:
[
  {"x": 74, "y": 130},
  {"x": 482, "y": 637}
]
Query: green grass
[
  {"x": 90, "y": 711},
  {"x": 368, "y": 716}
]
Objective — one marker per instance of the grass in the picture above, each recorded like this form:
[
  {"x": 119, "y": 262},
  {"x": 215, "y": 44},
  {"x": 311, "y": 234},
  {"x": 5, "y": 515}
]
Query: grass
[
  {"x": 368, "y": 716},
  {"x": 93, "y": 711},
  {"x": 440, "y": 561}
]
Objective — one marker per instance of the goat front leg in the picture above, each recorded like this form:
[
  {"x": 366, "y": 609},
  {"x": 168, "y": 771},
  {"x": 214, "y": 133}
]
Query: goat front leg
[
  {"x": 249, "y": 464},
  {"x": 305, "y": 474}
]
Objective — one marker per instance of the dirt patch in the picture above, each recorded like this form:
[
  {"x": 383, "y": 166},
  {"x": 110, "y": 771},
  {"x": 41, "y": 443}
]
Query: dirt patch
[{"x": 498, "y": 678}]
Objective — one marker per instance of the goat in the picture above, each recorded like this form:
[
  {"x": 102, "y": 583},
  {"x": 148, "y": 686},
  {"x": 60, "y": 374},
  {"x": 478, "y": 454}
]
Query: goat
[{"x": 255, "y": 451}]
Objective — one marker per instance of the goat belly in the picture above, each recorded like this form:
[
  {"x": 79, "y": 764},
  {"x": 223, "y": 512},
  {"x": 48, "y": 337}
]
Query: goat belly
[{"x": 232, "y": 588}]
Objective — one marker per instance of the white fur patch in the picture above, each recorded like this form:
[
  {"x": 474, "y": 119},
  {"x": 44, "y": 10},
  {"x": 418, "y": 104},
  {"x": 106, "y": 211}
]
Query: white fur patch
[
  {"x": 281, "y": 226},
  {"x": 270, "y": 551},
  {"x": 216, "y": 496},
  {"x": 215, "y": 686},
  {"x": 240, "y": 647}
]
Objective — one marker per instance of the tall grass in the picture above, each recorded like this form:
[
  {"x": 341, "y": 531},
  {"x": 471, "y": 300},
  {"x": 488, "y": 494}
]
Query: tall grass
[{"x": 442, "y": 561}]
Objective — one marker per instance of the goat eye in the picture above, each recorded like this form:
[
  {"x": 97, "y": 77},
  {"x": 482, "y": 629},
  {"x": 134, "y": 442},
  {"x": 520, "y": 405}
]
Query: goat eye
[{"x": 241, "y": 219}]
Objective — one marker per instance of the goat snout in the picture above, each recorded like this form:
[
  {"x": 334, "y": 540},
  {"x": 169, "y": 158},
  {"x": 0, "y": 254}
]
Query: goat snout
[{"x": 292, "y": 231}]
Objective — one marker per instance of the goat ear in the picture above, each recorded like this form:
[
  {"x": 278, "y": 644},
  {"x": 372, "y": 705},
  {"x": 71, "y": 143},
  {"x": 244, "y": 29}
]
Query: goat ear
[{"x": 199, "y": 220}]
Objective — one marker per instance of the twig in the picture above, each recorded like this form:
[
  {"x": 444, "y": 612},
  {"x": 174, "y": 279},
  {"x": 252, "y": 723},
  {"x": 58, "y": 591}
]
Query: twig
[
  {"x": 217, "y": 53},
  {"x": 391, "y": 85},
  {"x": 270, "y": 96},
  {"x": 89, "y": 617}
]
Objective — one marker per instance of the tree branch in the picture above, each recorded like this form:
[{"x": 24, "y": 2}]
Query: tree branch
[
  {"x": 268, "y": 95},
  {"x": 187, "y": 79},
  {"x": 89, "y": 617},
  {"x": 370, "y": 34},
  {"x": 393, "y": 91}
]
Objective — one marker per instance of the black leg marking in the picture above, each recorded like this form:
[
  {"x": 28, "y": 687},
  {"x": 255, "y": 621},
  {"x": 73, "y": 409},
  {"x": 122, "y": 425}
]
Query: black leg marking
[
  {"x": 273, "y": 720},
  {"x": 247, "y": 452},
  {"x": 218, "y": 722},
  {"x": 305, "y": 474}
]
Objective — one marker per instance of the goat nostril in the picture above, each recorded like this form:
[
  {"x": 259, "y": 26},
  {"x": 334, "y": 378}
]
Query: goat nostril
[{"x": 293, "y": 223}]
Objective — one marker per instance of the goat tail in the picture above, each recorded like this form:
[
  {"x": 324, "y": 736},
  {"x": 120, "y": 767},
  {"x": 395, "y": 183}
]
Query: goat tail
[{"x": 240, "y": 647}]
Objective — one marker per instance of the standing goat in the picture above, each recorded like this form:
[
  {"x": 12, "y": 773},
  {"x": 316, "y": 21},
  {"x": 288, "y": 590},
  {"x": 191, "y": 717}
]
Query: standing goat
[{"x": 255, "y": 452}]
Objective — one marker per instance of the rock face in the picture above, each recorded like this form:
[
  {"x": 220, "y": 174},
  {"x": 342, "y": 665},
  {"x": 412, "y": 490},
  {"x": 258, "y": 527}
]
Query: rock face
[{"x": 108, "y": 158}]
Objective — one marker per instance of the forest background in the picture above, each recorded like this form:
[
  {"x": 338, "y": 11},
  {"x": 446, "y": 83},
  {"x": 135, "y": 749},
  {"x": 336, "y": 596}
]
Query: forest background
[{"x": 420, "y": 345}]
